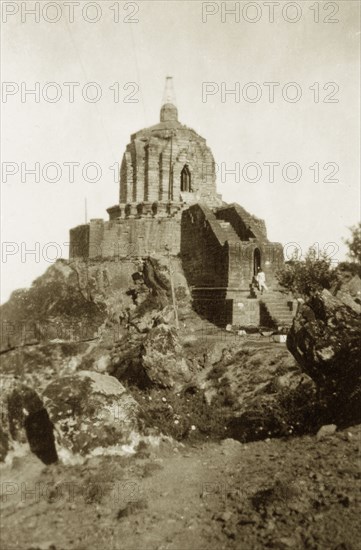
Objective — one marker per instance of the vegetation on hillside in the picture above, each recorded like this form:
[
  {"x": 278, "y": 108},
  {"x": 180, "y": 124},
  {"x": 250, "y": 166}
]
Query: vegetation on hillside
[
  {"x": 354, "y": 243},
  {"x": 317, "y": 271}
]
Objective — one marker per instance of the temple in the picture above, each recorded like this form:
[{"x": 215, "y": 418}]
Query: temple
[{"x": 168, "y": 204}]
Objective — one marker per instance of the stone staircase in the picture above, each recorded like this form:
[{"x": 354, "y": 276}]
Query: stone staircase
[
  {"x": 229, "y": 231},
  {"x": 255, "y": 227},
  {"x": 277, "y": 308}
]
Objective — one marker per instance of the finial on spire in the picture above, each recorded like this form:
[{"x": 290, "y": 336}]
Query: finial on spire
[
  {"x": 169, "y": 111},
  {"x": 169, "y": 95}
]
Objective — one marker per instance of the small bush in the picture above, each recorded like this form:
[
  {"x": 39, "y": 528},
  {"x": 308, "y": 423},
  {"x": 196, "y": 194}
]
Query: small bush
[
  {"x": 304, "y": 278},
  {"x": 175, "y": 414}
]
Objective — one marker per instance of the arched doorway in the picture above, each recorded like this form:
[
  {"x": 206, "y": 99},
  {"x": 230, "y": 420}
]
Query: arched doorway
[
  {"x": 186, "y": 179},
  {"x": 256, "y": 260}
]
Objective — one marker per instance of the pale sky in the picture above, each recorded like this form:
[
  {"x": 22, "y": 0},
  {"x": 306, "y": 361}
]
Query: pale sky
[{"x": 170, "y": 38}]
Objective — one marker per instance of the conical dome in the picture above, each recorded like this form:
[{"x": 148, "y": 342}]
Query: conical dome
[{"x": 168, "y": 161}]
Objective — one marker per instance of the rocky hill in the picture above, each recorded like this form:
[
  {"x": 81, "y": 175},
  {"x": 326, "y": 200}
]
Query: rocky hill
[{"x": 96, "y": 365}]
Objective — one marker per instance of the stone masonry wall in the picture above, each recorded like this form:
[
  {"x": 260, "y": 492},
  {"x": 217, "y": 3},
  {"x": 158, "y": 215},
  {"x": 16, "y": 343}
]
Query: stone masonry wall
[
  {"x": 204, "y": 250},
  {"x": 79, "y": 242},
  {"x": 96, "y": 232},
  {"x": 204, "y": 254},
  {"x": 241, "y": 262},
  {"x": 122, "y": 238}
]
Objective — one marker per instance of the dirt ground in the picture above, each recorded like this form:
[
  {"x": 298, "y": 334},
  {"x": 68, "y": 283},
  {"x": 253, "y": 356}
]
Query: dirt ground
[{"x": 279, "y": 493}]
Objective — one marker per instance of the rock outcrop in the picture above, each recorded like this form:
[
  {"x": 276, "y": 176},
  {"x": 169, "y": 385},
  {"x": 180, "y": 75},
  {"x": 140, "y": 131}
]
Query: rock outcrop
[
  {"x": 24, "y": 420},
  {"x": 325, "y": 339},
  {"x": 156, "y": 359},
  {"x": 262, "y": 392},
  {"x": 76, "y": 414},
  {"x": 163, "y": 359},
  {"x": 90, "y": 411},
  {"x": 80, "y": 301},
  {"x": 62, "y": 338},
  {"x": 349, "y": 292}
]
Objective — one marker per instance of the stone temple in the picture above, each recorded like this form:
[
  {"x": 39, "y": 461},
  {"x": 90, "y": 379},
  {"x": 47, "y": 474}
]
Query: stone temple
[{"x": 168, "y": 204}]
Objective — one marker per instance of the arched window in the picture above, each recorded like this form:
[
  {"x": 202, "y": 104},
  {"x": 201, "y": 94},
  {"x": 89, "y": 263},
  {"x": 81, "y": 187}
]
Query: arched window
[{"x": 186, "y": 179}]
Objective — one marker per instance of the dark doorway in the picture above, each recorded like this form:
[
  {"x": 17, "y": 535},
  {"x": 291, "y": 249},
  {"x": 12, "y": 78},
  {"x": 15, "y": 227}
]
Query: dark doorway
[
  {"x": 186, "y": 179},
  {"x": 256, "y": 260}
]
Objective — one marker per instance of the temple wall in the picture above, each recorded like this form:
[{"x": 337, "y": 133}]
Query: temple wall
[
  {"x": 79, "y": 242},
  {"x": 96, "y": 233},
  {"x": 245, "y": 311},
  {"x": 203, "y": 249},
  {"x": 145, "y": 169},
  {"x": 218, "y": 268},
  {"x": 241, "y": 262},
  {"x": 152, "y": 188},
  {"x": 124, "y": 238}
]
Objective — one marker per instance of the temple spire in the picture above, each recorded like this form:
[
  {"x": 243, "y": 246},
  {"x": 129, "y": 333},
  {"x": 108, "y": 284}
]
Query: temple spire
[
  {"x": 169, "y": 111},
  {"x": 169, "y": 95}
]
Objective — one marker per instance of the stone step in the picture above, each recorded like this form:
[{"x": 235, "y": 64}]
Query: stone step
[
  {"x": 277, "y": 308},
  {"x": 279, "y": 311},
  {"x": 283, "y": 305},
  {"x": 275, "y": 300},
  {"x": 229, "y": 231},
  {"x": 282, "y": 318},
  {"x": 275, "y": 304},
  {"x": 286, "y": 312}
]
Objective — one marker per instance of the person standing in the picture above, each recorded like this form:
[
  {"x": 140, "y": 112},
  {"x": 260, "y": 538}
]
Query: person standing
[{"x": 261, "y": 280}]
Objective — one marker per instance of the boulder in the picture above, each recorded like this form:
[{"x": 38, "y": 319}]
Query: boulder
[
  {"x": 347, "y": 288},
  {"x": 24, "y": 421},
  {"x": 90, "y": 410},
  {"x": 326, "y": 431},
  {"x": 163, "y": 359},
  {"x": 325, "y": 341},
  {"x": 154, "y": 359},
  {"x": 350, "y": 293},
  {"x": 351, "y": 284}
]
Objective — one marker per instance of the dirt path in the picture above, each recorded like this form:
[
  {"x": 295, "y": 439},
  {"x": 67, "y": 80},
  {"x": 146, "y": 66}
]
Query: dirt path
[{"x": 299, "y": 493}]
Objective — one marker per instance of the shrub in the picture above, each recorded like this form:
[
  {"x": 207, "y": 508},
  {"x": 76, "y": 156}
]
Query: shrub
[
  {"x": 354, "y": 243},
  {"x": 305, "y": 277}
]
